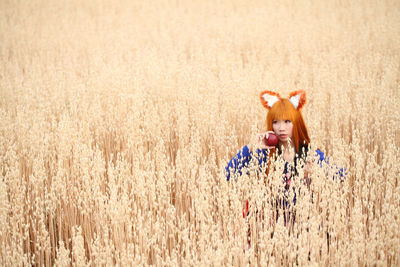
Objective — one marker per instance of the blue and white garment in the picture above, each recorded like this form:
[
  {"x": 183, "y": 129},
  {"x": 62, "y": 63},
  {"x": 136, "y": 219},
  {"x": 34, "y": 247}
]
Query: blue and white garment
[
  {"x": 244, "y": 156},
  {"x": 241, "y": 162}
]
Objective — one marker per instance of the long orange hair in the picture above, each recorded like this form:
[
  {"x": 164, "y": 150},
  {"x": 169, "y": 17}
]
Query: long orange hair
[{"x": 287, "y": 109}]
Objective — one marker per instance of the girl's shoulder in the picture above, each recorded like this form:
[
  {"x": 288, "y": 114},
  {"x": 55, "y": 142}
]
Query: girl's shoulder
[{"x": 304, "y": 149}]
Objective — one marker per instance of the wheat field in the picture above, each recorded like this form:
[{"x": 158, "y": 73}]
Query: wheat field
[{"x": 119, "y": 117}]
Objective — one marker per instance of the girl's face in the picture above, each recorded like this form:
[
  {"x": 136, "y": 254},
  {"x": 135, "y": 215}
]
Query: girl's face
[{"x": 283, "y": 129}]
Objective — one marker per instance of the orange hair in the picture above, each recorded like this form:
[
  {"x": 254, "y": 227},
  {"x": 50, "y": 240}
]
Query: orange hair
[{"x": 284, "y": 110}]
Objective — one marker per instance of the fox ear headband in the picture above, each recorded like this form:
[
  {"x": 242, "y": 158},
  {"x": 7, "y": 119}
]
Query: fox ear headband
[{"x": 297, "y": 98}]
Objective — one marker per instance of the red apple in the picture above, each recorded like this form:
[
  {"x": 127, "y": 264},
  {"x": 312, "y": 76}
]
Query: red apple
[{"x": 272, "y": 139}]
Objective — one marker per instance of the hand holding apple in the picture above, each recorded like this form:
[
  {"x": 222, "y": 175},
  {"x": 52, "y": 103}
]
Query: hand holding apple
[
  {"x": 271, "y": 139},
  {"x": 266, "y": 140}
]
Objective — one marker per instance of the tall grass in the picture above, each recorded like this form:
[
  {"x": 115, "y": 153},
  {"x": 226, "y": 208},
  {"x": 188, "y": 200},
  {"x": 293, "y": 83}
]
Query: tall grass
[{"x": 118, "y": 119}]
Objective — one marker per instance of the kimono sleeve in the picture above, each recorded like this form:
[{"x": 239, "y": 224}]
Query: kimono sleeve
[
  {"x": 324, "y": 160},
  {"x": 242, "y": 159}
]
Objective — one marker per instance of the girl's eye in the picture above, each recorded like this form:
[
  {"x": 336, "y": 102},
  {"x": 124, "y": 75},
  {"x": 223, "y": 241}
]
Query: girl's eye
[
  {"x": 287, "y": 121},
  {"x": 274, "y": 122}
]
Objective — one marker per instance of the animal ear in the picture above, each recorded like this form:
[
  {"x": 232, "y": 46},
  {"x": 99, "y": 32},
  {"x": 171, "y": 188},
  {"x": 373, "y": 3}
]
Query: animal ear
[
  {"x": 298, "y": 99},
  {"x": 268, "y": 98}
]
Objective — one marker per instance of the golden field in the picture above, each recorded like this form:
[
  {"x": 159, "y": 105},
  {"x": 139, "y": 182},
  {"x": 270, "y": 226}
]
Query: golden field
[{"x": 119, "y": 117}]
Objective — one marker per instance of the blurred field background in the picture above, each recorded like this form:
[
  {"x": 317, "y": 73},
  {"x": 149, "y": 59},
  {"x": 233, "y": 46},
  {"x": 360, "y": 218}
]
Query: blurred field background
[{"x": 118, "y": 119}]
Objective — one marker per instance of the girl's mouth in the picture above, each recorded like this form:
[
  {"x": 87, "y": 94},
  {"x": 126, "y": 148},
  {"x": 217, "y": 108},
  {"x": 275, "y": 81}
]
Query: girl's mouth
[{"x": 283, "y": 136}]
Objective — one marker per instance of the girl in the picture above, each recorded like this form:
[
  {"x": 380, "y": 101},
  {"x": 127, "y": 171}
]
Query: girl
[{"x": 286, "y": 121}]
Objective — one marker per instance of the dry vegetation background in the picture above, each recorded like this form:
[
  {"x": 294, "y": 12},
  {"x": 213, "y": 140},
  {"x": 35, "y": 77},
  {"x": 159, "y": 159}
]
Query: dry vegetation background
[{"x": 118, "y": 119}]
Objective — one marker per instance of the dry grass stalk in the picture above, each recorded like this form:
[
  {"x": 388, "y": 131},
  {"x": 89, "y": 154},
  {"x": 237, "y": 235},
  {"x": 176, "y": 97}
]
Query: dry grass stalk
[{"x": 117, "y": 120}]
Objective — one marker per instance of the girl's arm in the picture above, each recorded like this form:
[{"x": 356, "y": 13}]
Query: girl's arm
[
  {"x": 323, "y": 160},
  {"x": 242, "y": 159}
]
